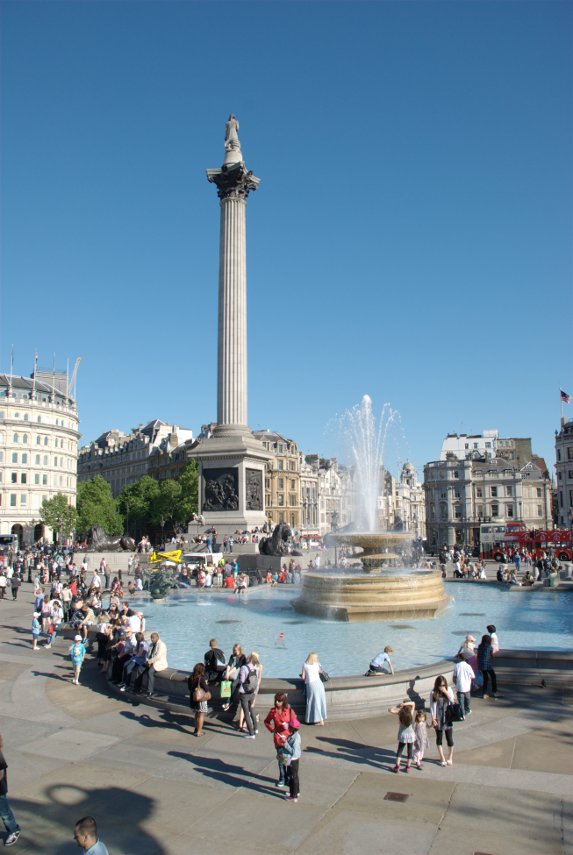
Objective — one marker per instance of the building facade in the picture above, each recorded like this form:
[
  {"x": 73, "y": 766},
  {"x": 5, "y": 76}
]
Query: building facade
[
  {"x": 463, "y": 494},
  {"x": 282, "y": 479},
  {"x": 122, "y": 459},
  {"x": 564, "y": 473},
  {"x": 38, "y": 450}
]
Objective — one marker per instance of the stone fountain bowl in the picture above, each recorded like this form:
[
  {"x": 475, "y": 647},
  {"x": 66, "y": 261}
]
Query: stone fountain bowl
[{"x": 372, "y": 541}]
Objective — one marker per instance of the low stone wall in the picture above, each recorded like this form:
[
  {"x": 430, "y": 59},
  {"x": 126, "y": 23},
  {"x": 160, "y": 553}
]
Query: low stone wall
[
  {"x": 353, "y": 698},
  {"x": 347, "y": 698}
]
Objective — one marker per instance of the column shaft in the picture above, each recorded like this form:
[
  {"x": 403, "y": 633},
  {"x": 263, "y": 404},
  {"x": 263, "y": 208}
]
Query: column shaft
[{"x": 232, "y": 347}]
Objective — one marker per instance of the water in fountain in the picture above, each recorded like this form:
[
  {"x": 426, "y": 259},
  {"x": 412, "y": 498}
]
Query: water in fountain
[{"x": 366, "y": 447}]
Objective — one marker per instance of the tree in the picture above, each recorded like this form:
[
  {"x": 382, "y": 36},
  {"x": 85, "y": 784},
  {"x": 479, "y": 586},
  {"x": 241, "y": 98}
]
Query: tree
[
  {"x": 135, "y": 502},
  {"x": 96, "y": 506},
  {"x": 189, "y": 482},
  {"x": 165, "y": 507},
  {"x": 58, "y": 515}
]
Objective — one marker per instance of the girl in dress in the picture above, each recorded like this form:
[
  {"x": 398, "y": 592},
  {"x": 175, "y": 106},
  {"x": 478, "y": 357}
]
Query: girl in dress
[
  {"x": 406, "y": 735},
  {"x": 421, "y": 734}
]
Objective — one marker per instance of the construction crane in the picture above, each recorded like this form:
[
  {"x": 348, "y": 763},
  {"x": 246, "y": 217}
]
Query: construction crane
[{"x": 72, "y": 382}]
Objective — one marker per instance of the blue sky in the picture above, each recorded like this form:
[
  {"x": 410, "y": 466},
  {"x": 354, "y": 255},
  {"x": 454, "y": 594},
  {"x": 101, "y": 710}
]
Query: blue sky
[{"x": 411, "y": 237}]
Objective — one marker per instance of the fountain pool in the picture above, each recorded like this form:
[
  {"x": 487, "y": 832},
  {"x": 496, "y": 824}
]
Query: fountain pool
[{"x": 538, "y": 620}]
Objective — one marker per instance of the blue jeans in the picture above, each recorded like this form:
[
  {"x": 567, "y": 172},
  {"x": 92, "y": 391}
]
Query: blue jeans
[{"x": 7, "y": 816}]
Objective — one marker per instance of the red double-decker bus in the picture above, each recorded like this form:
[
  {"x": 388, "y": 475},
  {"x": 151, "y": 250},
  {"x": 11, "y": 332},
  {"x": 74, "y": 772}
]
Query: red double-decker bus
[{"x": 500, "y": 542}]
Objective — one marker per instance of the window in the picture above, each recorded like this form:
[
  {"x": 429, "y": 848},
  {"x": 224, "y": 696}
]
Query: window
[
  {"x": 281, "y": 483},
  {"x": 280, "y": 465},
  {"x": 15, "y": 438},
  {"x": 280, "y": 500},
  {"x": 45, "y": 459},
  {"x": 539, "y": 511},
  {"x": 14, "y": 457},
  {"x": 292, "y": 500},
  {"x": 457, "y": 494},
  {"x": 26, "y": 417},
  {"x": 510, "y": 511},
  {"x": 37, "y": 459},
  {"x": 479, "y": 493},
  {"x": 509, "y": 490},
  {"x": 293, "y": 485},
  {"x": 25, "y": 438},
  {"x": 14, "y": 477},
  {"x": 12, "y": 500},
  {"x": 44, "y": 480},
  {"x": 539, "y": 492},
  {"x": 569, "y": 453},
  {"x": 23, "y": 498},
  {"x": 456, "y": 474},
  {"x": 570, "y": 473},
  {"x": 495, "y": 510},
  {"x": 36, "y": 478},
  {"x": 494, "y": 492},
  {"x": 24, "y": 458},
  {"x": 45, "y": 440}
]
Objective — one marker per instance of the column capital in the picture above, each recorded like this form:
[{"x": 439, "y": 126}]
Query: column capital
[{"x": 233, "y": 182}]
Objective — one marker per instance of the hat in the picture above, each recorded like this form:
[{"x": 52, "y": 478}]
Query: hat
[
  {"x": 77, "y": 638},
  {"x": 470, "y": 638}
]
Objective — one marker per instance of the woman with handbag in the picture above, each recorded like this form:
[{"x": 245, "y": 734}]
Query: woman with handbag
[
  {"x": 199, "y": 696},
  {"x": 440, "y": 699},
  {"x": 314, "y": 687},
  {"x": 236, "y": 661}
]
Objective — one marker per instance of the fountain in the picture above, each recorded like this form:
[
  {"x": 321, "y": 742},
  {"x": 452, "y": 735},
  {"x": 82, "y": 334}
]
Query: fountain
[{"x": 374, "y": 591}]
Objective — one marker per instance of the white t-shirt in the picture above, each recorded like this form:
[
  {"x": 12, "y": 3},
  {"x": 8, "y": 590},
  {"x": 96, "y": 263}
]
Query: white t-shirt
[
  {"x": 311, "y": 672},
  {"x": 463, "y": 676}
]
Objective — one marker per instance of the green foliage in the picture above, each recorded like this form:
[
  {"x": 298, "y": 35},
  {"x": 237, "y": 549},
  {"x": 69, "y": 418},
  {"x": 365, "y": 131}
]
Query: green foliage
[
  {"x": 59, "y": 515},
  {"x": 135, "y": 502},
  {"x": 96, "y": 506},
  {"x": 166, "y": 504},
  {"x": 189, "y": 482}
]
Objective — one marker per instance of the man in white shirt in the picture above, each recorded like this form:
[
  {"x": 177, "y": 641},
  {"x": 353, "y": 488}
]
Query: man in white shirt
[{"x": 463, "y": 676}]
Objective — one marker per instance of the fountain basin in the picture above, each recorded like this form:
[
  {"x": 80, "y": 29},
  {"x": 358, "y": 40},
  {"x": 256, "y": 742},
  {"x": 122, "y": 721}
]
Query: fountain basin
[{"x": 362, "y": 597}]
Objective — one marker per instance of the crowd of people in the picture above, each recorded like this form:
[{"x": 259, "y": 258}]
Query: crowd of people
[{"x": 65, "y": 594}]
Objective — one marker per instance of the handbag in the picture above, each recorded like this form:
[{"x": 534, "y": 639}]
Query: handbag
[
  {"x": 324, "y": 676},
  {"x": 200, "y": 694},
  {"x": 226, "y": 686},
  {"x": 454, "y": 712}
]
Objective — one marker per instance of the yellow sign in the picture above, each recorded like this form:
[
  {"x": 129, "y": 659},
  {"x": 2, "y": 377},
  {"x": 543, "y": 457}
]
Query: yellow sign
[{"x": 174, "y": 555}]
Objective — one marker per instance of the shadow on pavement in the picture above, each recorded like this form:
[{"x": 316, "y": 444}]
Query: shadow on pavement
[
  {"x": 354, "y": 752},
  {"x": 48, "y": 825},
  {"x": 230, "y": 774}
]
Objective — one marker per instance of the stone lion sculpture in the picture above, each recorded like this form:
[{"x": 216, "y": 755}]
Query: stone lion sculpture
[{"x": 278, "y": 543}]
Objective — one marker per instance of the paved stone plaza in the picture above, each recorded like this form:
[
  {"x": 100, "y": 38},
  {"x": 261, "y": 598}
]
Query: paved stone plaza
[{"x": 156, "y": 790}]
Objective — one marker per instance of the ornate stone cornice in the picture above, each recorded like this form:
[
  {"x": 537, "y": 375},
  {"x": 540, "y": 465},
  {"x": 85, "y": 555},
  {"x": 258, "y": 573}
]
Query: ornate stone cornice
[{"x": 233, "y": 182}]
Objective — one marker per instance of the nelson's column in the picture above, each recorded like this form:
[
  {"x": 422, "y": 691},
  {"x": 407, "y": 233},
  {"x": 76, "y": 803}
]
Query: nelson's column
[{"x": 232, "y": 462}]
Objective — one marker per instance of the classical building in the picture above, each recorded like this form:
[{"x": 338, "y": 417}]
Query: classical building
[
  {"x": 157, "y": 449},
  {"x": 334, "y": 495},
  {"x": 564, "y": 473},
  {"x": 282, "y": 479},
  {"x": 410, "y": 503},
  {"x": 309, "y": 510},
  {"x": 38, "y": 449},
  {"x": 463, "y": 494}
]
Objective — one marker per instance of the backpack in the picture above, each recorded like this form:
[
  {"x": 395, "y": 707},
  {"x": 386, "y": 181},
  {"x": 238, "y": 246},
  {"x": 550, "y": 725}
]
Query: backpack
[{"x": 251, "y": 682}]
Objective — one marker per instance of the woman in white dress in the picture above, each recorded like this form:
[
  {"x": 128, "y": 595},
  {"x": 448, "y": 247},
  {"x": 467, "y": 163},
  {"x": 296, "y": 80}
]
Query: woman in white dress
[{"x": 315, "y": 694}]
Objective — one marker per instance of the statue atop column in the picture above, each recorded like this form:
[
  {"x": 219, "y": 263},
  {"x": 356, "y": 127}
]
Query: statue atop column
[{"x": 232, "y": 144}]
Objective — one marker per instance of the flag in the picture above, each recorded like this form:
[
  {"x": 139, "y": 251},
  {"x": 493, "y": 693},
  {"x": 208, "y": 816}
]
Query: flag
[{"x": 565, "y": 398}]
